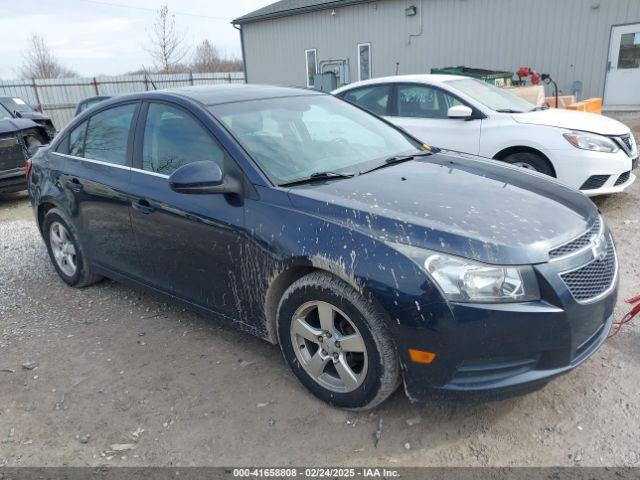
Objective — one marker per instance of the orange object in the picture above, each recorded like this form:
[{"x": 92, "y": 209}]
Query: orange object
[
  {"x": 591, "y": 105},
  {"x": 419, "y": 356},
  {"x": 563, "y": 101}
]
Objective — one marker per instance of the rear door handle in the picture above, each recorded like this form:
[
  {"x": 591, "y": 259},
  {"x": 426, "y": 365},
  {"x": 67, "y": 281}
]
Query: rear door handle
[
  {"x": 143, "y": 206},
  {"x": 75, "y": 185}
]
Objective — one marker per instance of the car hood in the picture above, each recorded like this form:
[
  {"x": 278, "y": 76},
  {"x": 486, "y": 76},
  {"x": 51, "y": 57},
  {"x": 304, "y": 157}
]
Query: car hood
[
  {"x": 454, "y": 204},
  {"x": 572, "y": 120},
  {"x": 10, "y": 125},
  {"x": 34, "y": 115}
]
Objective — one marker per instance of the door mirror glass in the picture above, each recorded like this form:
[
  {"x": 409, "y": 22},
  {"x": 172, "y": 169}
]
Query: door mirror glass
[
  {"x": 460, "y": 111},
  {"x": 204, "y": 178}
]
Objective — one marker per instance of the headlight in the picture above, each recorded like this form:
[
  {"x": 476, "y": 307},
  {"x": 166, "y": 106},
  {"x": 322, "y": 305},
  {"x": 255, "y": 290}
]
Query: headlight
[
  {"x": 464, "y": 280},
  {"x": 591, "y": 141}
]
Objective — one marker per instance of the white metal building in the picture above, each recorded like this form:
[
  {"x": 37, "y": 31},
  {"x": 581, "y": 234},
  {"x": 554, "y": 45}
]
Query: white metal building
[{"x": 590, "y": 47}]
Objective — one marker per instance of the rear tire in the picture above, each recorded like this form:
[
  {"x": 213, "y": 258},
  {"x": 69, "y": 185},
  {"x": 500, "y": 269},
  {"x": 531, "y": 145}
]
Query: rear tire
[
  {"x": 530, "y": 161},
  {"x": 355, "y": 364},
  {"x": 65, "y": 251}
]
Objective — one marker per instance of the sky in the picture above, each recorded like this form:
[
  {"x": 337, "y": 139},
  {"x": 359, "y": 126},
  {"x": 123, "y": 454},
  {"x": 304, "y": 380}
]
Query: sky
[{"x": 110, "y": 37}]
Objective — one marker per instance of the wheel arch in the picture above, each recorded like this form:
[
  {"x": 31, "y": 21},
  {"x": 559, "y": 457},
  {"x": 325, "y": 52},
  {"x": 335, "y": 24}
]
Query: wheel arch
[
  {"x": 42, "y": 210},
  {"x": 293, "y": 272},
  {"x": 505, "y": 152}
]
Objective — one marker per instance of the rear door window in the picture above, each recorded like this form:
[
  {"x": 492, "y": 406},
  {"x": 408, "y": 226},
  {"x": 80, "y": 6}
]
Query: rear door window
[
  {"x": 375, "y": 98},
  {"x": 107, "y": 134}
]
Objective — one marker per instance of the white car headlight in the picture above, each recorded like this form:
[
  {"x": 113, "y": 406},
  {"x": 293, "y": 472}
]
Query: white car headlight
[
  {"x": 592, "y": 141},
  {"x": 465, "y": 280}
]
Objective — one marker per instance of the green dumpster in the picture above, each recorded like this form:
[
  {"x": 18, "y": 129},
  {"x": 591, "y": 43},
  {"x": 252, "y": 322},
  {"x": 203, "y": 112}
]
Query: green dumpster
[{"x": 494, "y": 77}]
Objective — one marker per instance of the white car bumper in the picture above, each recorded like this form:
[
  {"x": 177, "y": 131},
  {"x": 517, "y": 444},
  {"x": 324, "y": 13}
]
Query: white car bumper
[{"x": 594, "y": 173}]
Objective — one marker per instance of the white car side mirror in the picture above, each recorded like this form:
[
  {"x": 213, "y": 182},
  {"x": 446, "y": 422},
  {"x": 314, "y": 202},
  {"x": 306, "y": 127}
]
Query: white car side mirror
[{"x": 459, "y": 111}]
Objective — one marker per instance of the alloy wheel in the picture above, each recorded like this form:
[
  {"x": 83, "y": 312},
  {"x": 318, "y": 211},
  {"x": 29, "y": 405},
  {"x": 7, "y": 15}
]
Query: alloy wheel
[
  {"x": 64, "y": 251},
  {"x": 329, "y": 346}
]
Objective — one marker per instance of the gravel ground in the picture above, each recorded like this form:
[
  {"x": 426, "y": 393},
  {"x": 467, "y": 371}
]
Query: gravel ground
[{"x": 116, "y": 366}]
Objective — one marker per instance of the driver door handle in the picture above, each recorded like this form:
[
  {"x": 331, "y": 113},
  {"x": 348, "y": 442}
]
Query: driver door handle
[
  {"x": 143, "y": 206},
  {"x": 75, "y": 185}
]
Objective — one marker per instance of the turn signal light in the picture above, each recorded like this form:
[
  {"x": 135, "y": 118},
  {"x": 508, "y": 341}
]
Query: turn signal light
[{"x": 419, "y": 356}]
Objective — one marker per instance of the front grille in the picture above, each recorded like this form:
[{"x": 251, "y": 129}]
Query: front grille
[
  {"x": 578, "y": 244},
  {"x": 623, "y": 178},
  {"x": 595, "y": 278},
  {"x": 594, "y": 182},
  {"x": 628, "y": 144},
  {"x": 626, "y": 140}
]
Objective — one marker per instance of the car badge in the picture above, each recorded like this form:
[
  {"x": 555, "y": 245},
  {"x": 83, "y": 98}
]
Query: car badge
[{"x": 599, "y": 248}]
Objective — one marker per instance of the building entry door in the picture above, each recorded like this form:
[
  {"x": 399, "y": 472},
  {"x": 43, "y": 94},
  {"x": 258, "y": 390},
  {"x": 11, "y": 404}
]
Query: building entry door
[{"x": 623, "y": 71}]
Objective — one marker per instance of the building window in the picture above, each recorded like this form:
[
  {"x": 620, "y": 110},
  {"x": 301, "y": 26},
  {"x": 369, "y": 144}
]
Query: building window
[
  {"x": 364, "y": 61},
  {"x": 312, "y": 65},
  {"x": 629, "y": 56}
]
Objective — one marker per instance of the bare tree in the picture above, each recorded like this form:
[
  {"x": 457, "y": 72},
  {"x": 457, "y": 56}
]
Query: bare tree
[
  {"x": 167, "y": 43},
  {"x": 207, "y": 58},
  {"x": 40, "y": 61}
]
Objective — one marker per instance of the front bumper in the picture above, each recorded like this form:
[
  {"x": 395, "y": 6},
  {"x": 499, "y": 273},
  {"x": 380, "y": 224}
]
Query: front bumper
[
  {"x": 492, "y": 351},
  {"x": 594, "y": 173}
]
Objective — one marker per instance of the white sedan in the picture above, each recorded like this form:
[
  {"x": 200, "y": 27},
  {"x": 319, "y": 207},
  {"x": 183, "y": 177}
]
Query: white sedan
[{"x": 593, "y": 153}]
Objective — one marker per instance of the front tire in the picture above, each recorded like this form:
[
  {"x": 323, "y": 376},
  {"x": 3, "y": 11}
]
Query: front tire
[
  {"x": 530, "y": 161},
  {"x": 65, "y": 251},
  {"x": 336, "y": 342}
]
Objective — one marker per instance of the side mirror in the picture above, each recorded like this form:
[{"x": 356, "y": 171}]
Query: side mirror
[
  {"x": 460, "y": 112},
  {"x": 203, "y": 178},
  {"x": 17, "y": 114}
]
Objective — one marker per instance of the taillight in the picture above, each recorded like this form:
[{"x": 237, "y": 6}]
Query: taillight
[{"x": 27, "y": 169}]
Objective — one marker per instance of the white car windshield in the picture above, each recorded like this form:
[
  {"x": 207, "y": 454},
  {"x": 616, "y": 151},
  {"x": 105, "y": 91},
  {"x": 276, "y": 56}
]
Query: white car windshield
[
  {"x": 492, "y": 97},
  {"x": 294, "y": 137}
]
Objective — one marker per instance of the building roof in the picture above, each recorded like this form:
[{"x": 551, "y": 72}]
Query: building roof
[{"x": 284, "y": 8}]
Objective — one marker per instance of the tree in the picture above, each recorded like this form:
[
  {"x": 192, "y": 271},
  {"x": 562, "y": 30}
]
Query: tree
[
  {"x": 207, "y": 58},
  {"x": 167, "y": 43},
  {"x": 40, "y": 61}
]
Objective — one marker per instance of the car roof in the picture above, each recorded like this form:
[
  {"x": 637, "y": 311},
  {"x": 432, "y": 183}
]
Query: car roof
[
  {"x": 416, "y": 78},
  {"x": 228, "y": 93}
]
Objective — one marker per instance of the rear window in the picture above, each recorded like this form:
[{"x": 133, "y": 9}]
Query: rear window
[{"x": 107, "y": 134}]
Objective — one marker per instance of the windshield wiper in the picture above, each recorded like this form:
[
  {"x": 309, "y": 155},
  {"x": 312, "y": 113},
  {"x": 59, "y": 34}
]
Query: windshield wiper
[
  {"x": 397, "y": 159},
  {"x": 317, "y": 176},
  {"x": 508, "y": 110}
]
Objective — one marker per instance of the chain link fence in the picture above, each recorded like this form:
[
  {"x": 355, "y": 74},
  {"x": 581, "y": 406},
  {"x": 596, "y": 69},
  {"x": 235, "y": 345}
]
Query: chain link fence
[{"x": 58, "y": 97}]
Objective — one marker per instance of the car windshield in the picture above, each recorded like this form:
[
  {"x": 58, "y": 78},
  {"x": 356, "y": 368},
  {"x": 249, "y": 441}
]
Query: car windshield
[
  {"x": 292, "y": 138},
  {"x": 16, "y": 104},
  {"x": 495, "y": 98}
]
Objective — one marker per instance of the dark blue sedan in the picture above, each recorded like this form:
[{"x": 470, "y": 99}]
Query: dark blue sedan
[{"x": 369, "y": 258}]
